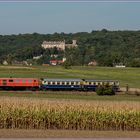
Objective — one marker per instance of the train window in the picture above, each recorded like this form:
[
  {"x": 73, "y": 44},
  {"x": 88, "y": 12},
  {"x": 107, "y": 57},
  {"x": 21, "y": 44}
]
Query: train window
[
  {"x": 17, "y": 81},
  {"x": 63, "y": 83},
  {"x": 11, "y": 80},
  {"x": 53, "y": 83},
  {"x": 4, "y": 82},
  {"x": 72, "y": 83},
  {"x": 23, "y": 80},
  {"x": 58, "y": 83},
  {"x": 29, "y": 81},
  {"x": 94, "y": 83},
  {"x": 89, "y": 83},
  {"x": 49, "y": 83},
  {"x": 67, "y": 83},
  {"x": 77, "y": 83}
]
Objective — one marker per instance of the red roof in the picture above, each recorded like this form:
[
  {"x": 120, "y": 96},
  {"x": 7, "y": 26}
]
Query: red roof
[{"x": 56, "y": 61}]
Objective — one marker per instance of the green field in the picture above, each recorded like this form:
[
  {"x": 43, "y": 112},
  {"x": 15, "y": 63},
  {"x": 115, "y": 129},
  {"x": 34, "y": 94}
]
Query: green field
[
  {"x": 125, "y": 76},
  {"x": 60, "y": 95}
]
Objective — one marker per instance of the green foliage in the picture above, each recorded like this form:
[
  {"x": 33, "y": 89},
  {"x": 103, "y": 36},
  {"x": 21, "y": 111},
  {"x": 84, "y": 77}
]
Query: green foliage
[
  {"x": 100, "y": 91},
  {"x": 67, "y": 64},
  {"x": 105, "y": 91},
  {"x": 134, "y": 63},
  {"x": 108, "y": 48}
]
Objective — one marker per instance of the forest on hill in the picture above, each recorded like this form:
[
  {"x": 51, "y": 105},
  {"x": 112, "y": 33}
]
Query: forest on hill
[{"x": 107, "y": 48}]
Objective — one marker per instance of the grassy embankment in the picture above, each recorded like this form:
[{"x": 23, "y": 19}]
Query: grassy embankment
[
  {"x": 129, "y": 76},
  {"x": 88, "y": 96}
]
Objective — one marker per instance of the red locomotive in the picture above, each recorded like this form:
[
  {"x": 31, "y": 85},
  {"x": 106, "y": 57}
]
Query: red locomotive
[{"x": 19, "y": 83}]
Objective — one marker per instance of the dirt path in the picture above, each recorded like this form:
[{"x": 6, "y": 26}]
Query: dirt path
[
  {"x": 10, "y": 133},
  {"x": 130, "y": 89}
]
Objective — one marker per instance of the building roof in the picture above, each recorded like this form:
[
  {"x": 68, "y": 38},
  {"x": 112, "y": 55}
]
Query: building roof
[{"x": 53, "y": 42}]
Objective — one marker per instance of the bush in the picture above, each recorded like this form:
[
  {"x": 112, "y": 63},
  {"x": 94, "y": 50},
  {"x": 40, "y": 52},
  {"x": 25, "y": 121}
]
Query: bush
[
  {"x": 100, "y": 90},
  {"x": 67, "y": 65},
  {"x": 105, "y": 91}
]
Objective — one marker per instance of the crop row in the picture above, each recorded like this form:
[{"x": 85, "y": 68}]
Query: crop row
[{"x": 22, "y": 113}]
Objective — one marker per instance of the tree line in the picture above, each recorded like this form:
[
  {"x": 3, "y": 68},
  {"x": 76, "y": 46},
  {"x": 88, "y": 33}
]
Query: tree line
[{"x": 107, "y": 48}]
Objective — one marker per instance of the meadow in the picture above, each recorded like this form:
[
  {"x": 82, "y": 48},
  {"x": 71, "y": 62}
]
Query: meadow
[
  {"x": 130, "y": 76},
  {"x": 73, "y": 95}
]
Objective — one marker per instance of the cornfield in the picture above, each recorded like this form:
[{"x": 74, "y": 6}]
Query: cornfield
[{"x": 21, "y": 113}]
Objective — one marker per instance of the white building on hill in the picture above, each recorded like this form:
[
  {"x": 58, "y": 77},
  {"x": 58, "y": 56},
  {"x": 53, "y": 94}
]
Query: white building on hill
[{"x": 58, "y": 44}]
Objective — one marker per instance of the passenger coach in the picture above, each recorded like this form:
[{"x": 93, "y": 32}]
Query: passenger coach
[
  {"x": 62, "y": 84},
  {"x": 93, "y": 84}
]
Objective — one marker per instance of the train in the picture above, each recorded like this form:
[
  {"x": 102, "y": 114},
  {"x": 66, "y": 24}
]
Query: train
[{"x": 55, "y": 84}]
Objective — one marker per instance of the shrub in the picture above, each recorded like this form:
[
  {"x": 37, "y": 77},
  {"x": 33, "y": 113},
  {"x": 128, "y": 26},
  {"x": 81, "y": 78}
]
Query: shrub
[
  {"x": 100, "y": 90},
  {"x": 105, "y": 91},
  {"x": 67, "y": 65}
]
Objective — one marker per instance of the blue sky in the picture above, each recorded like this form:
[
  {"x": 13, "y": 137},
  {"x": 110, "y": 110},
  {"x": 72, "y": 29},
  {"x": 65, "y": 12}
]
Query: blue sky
[{"x": 68, "y": 17}]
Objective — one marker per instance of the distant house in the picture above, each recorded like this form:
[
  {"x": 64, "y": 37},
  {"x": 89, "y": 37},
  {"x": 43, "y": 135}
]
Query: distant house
[
  {"x": 15, "y": 62},
  {"x": 92, "y": 63},
  {"x": 120, "y": 66},
  {"x": 5, "y": 62},
  {"x": 58, "y": 44},
  {"x": 56, "y": 62}
]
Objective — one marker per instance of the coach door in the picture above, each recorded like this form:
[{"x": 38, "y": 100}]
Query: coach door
[{"x": 4, "y": 82}]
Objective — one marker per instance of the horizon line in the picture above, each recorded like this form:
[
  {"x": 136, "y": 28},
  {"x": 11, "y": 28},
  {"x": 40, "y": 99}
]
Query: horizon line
[{"x": 121, "y": 30}]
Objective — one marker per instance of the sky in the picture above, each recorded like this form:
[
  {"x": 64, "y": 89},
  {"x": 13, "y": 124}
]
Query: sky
[{"x": 67, "y": 17}]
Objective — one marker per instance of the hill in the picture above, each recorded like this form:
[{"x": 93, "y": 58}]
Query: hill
[{"x": 107, "y": 48}]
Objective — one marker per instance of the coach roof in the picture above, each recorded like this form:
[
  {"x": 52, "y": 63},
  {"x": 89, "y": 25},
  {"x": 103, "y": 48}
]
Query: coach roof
[{"x": 62, "y": 80}]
